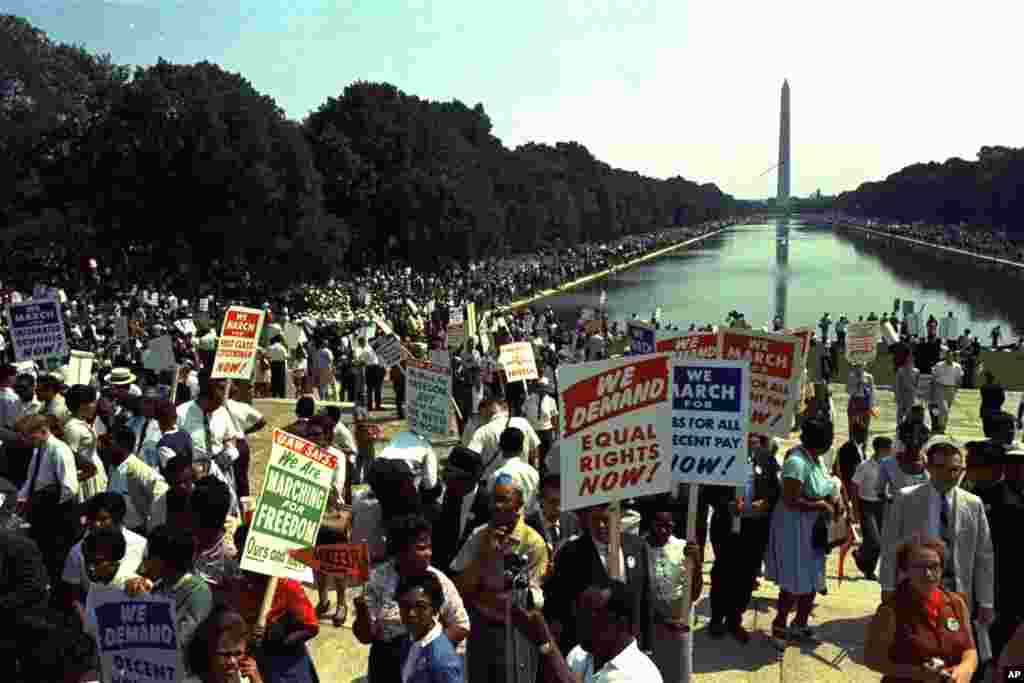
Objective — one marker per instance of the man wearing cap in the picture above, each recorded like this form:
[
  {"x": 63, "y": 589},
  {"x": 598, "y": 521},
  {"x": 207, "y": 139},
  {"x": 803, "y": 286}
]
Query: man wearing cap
[
  {"x": 466, "y": 504},
  {"x": 942, "y": 510},
  {"x": 995, "y": 471}
]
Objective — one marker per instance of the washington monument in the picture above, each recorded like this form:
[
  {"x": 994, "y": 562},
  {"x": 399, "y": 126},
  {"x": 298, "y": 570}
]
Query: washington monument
[{"x": 783, "y": 195}]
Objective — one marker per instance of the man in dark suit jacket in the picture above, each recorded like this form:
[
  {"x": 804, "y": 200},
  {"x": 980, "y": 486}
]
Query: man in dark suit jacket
[
  {"x": 553, "y": 525},
  {"x": 583, "y": 562},
  {"x": 466, "y": 505}
]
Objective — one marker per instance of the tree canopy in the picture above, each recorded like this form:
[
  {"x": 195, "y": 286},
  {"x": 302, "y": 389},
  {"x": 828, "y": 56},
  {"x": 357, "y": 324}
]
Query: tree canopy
[{"x": 193, "y": 160}]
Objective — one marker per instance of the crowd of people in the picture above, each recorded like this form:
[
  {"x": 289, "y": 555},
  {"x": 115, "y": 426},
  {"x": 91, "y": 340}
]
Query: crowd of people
[{"x": 984, "y": 242}]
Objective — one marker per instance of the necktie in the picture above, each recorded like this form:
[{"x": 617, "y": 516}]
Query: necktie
[
  {"x": 208, "y": 435},
  {"x": 946, "y": 532}
]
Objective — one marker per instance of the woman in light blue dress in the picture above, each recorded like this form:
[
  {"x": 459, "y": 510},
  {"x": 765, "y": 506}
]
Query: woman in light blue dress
[{"x": 792, "y": 561}]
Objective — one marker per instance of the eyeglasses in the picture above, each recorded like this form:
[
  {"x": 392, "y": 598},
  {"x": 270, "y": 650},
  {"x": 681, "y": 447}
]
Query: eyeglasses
[{"x": 234, "y": 654}]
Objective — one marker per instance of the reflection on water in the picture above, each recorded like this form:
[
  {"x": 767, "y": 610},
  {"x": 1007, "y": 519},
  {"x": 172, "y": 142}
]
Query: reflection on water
[{"x": 801, "y": 271}]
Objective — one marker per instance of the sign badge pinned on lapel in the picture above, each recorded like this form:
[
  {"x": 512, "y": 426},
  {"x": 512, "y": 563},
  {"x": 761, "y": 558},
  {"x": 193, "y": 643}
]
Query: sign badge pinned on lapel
[
  {"x": 952, "y": 625},
  {"x": 631, "y": 562}
]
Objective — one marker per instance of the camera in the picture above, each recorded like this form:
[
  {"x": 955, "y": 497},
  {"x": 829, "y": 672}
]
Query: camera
[{"x": 516, "y": 565}]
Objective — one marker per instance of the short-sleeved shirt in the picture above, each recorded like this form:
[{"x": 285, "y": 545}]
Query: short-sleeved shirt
[
  {"x": 380, "y": 598},
  {"x": 74, "y": 566},
  {"x": 245, "y": 417},
  {"x": 866, "y": 479},
  {"x": 815, "y": 478}
]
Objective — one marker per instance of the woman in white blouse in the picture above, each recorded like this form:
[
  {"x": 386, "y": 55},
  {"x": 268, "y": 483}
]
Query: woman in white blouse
[
  {"x": 674, "y": 570},
  {"x": 80, "y": 437}
]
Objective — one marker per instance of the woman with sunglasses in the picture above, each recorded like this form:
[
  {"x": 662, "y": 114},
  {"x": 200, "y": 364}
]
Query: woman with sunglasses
[
  {"x": 218, "y": 653},
  {"x": 923, "y": 632}
]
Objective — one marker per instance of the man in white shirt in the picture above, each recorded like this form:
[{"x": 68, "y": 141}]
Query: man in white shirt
[
  {"x": 213, "y": 434},
  {"x": 10, "y": 402},
  {"x": 419, "y": 454},
  {"x": 870, "y": 506},
  {"x": 52, "y": 461},
  {"x": 485, "y": 439},
  {"x": 511, "y": 445},
  {"x": 947, "y": 376},
  {"x": 102, "y": 511},
  {"x": 608, "y": 651}
]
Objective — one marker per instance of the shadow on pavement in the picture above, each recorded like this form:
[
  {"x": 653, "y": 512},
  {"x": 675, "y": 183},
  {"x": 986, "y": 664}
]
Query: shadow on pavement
[
  {"x": 839, "y": 642},
  {"x": 726, "y": 654}
]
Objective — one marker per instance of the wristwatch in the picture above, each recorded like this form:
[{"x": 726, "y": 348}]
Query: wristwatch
[{"x": 547, "y": 648}]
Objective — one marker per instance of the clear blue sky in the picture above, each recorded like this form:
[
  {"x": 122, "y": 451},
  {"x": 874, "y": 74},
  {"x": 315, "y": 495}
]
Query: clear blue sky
[{"x": 663, "y": 87}]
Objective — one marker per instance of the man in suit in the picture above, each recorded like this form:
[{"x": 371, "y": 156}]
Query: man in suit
[
  {"x": 941, "y": 509},
  {"x": 995, "y": 470},
  {"x": 466, "y": 505},
  {"x": 554, "y": 526},
  {"x": 583, "y": 562}
]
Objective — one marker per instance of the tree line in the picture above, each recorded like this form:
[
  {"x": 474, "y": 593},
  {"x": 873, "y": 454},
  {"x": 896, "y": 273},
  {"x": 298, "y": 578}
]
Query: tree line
[
  {"x": 192, "y": 163},
  {"x": 983, "y": 192}
]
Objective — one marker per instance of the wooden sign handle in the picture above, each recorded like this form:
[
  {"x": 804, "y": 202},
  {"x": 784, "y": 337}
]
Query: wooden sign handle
[
  {"x": 682, "y": 612},
  {"x": 268, "y": 601},
  {"x": 615, "y": 568}
]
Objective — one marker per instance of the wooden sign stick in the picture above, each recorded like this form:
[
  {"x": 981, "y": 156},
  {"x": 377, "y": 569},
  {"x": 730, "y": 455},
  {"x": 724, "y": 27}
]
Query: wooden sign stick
[{"x": 615, "y": 568}]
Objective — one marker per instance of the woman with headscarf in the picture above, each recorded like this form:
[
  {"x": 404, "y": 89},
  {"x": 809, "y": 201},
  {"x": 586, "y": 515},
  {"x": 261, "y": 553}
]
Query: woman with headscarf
[{"x": 793, "y": 561}]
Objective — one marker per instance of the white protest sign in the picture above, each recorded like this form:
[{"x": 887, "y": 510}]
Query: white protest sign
[
  {"x": 291, "y": 504},
  {"x": 517, "y": 361},
  {"x": 862, "y": 341},
  {"x": 186, "y": 326},
  {"x": 293, "y": 335},
  {"x": 238, "y": 343},
  {"x": 37, "y": 330},
  {"x": 80, "y": 368},
  {"x": 616, "y": 441},
  {"x": 121, "y": 329},
  {"x": 427, "y": 388},
  {"x": 388, "y": 350},
  {"x": 710, "y": 421},
  {"x": 159, "y": 355},
  {"x": 204, "y": 304},
  {"x": 137, "y": 637}
]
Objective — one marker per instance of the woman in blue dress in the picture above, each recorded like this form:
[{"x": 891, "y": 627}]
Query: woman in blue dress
[{"x": 792, "y": 561}]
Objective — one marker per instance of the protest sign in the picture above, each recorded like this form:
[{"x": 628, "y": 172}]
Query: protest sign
[
  {"x": 471, "y": 319},
  {"x": 37, "y": 330},
  {"x": 291, "y": 504},
  {"x": 692, "y": 345},
  {"x": 427, "y": 388},
  {"x": 641, "y": 337},
  {"x": 137, "y": 637},
  {"x": 350, "y": 560},
  {"x": 238, "y": 343},
  {"x": 121, "y": 330},
  {"x": 293, "y": 335},
  {"x": 710, "y": 421},
  {"x": 804, "y": 334},
  {"x": 775, "y": 377},
  {"x": 80, "y": 368},
  {"x": 615, "y": 442},
  {"x": 388, "y": 349},
  {"x": 457, "y": 333},
  {"x": 517, "y": 361},
  {"x": 186, "y": 326},
  {"x": 862, "y": 341}
]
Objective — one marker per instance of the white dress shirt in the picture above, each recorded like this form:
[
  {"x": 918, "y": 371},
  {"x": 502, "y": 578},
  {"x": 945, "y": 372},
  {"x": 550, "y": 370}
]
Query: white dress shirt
[
  {"x": 417, "y": 451},
  {"x": 485, "y": 440},
  {"x": 629, "y": 666},
  {"x": 56, "y": 466}
]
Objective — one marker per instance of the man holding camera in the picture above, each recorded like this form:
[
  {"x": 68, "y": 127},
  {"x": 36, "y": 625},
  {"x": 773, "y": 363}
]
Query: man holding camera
[{"x": 500, "y": 566}]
